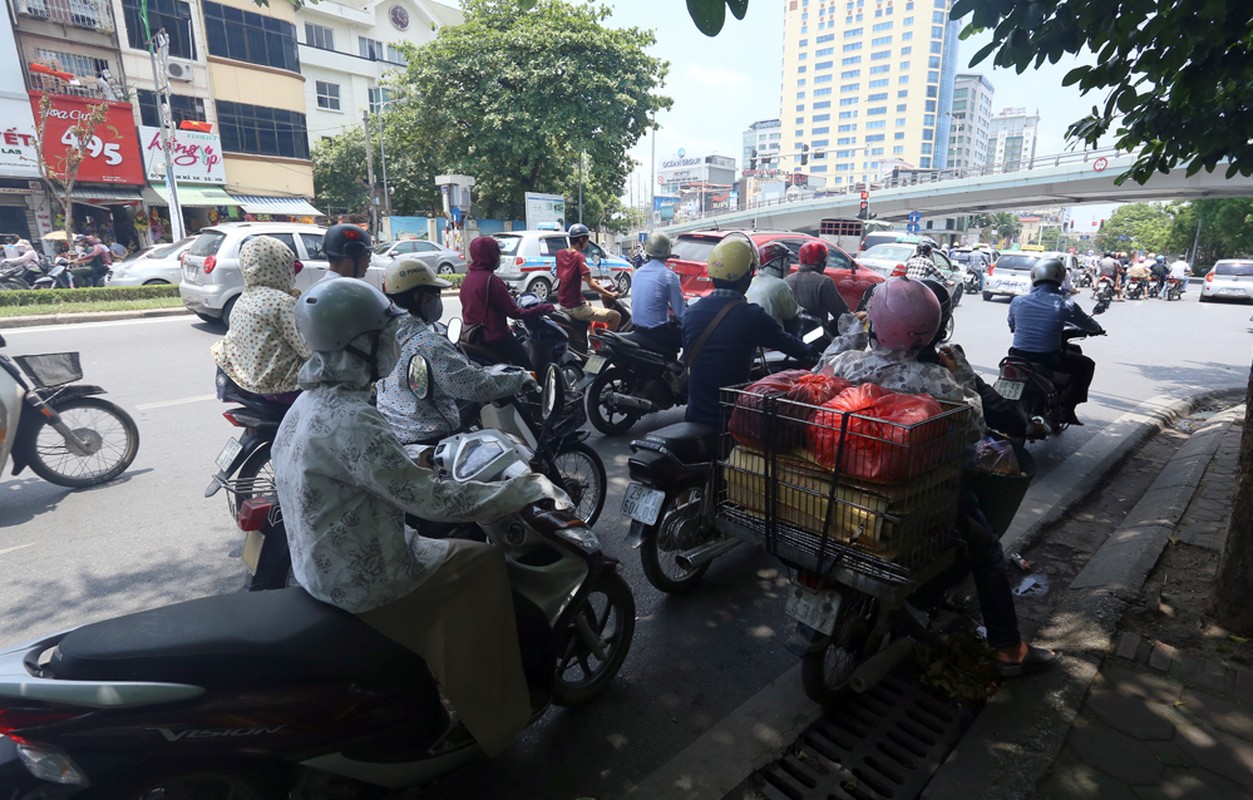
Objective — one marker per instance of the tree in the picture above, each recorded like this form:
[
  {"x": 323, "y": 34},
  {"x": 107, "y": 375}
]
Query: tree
[
  {"x": 61, "y": 172},
  {"x": 1225, "y": 229},
  {"x": 512, "y": 98},
  {"x": 1136, "y": 226},
  {"x": 339, "y": 184},
  {"x": 996, "y": 227},
  {"x": 340, "y": 181}
]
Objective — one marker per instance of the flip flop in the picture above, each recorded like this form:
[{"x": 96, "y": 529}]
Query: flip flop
[{"x": 1037, "y": 659}]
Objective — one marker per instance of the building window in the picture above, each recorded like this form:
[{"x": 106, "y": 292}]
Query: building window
[
  {"x": 822, "y": 92},
  {"x": 817, "y": 131},
  {"x": 800, "y": 120},
  {"x": 260, "y": 130},
  {"x": 822, "y": 78},
  {"x": 878, "y": 137},
  {"x": 328, "y": 95},
  {"x": 850, "y": 87},
  {"x": 828, "y": 37},
  {"x": 876, "y": 110},
  {"x": 880, "y": 55},
  {"x": 245, "y": 36},
  {"x": 876, "y": 97},
  {"x": 181, "y": 108},
  {"x": 880, "y": 69},
  {"x": 821, "y": 118},
  {"x": 802, "y": 69},
  {"x": 370, "y": 48},
  {"x": 823, "y": 104},
  {"x": 876, "y": 124},
  {"x": 880, "y": 41},
  {"x": 319, "y": 36},
  {"x": 823, "y": 51},
  {"x": 378, "y": 97},
  {"x": 851, "y": 60},
  {"x": 394, "y": 56},
  {"x": 901, "y": 108},
  {"x": 906, "y": 51},
  {"x": 879, "y": 27},
  {"x": 851, "y": 73},
  {"x": 851, "y": 46},
  {"x": 878, "y": 83},
  {"x": 824, "y": 65},
  {"x": 172, "y": 15},
  {"x": 800, "y": 107},
  {"x": 801, "y": 81},
  {"x": 851, "y": 32}
]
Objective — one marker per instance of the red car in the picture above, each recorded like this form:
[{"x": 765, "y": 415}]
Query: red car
[{"x": 691, "y": 251}]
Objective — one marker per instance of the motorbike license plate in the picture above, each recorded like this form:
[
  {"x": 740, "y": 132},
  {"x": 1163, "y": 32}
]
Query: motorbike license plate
[
  {"x": 227, "y": 456},
  {"x": 594, "y": 365},
  {"x": 816, "y": 608},
  {"x": 642, "y": 504},
  {"x": 1010, "y": 390},
  {"x": 252, "y": 550}
]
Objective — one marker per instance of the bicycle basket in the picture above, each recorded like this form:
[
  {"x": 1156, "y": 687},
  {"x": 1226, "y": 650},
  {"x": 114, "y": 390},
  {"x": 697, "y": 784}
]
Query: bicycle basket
[
  {"x": 240, "y": 489},
  {"x": 51, "y": 369}
]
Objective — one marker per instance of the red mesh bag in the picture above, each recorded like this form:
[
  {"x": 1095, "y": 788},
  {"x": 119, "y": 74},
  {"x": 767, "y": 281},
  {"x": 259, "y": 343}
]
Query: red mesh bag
[
  {"x": 889, "y": 450},
  {"x": 824, "y": 434},
  {"x": 815, "y": 390},
  {"x": 747, "y": 422}
]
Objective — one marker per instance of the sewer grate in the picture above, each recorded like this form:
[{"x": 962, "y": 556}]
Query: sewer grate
[{"x": 882, "y": 745}]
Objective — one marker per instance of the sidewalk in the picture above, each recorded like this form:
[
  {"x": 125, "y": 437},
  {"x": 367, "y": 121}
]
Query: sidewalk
[{"x": 1151, "y": 699}]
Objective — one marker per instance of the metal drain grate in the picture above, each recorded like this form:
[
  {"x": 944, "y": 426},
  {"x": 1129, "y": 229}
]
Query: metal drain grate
[{"x": 883, "y": 745}]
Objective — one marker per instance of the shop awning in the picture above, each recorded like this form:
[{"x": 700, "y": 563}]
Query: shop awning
[
  {"x": 106, "y": 196},
  {"x": 258, "y": 204},
  {"x": 195, "y": 195}
]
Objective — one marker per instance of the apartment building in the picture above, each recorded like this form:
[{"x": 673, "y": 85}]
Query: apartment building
[
  {"x": 971, "y": 114},
  {"x": 1011, "y": 139},
  {"x": 864, "y": 81},
  {"x": 762, "y": 140}
]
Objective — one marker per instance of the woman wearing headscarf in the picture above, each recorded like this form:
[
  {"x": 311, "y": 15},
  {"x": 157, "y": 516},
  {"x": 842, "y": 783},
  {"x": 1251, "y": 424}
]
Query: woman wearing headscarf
[{"x": 485, "y": 300}]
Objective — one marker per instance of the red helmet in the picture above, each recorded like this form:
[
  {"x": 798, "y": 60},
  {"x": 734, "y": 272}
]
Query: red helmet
[
  {"x": 904, "y": 314},
  {"x": 774, "y": 255},
  {"x": 814, "y": 253}
]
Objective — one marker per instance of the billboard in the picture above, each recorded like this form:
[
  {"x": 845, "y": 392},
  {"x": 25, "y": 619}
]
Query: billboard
[
  {"x": 197, "y": 156},
  {"x": 545, "y": 211},
  {"x": 17, "y": 139},
  {"x": 112, "y": 155}
]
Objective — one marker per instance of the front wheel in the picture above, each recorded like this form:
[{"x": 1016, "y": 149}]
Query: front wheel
[
  {"x": 679, "y": 528},
  {"x": 446, "y": 269},
  {"x": 607, "y": 420},
  {"x": 987, "y": 296},
  {"x": 106, "y": 446},
  {"x": 593, "y": 646},
  {"x": 204, "y": 782},
  {"x": 583, "y": 474},
  {"x": 825, "y": 674},
  {"x": 623, "y": 281}
]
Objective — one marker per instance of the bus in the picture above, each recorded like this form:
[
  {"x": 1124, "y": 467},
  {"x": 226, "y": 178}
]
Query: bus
[{"x": 846, "y": 233}]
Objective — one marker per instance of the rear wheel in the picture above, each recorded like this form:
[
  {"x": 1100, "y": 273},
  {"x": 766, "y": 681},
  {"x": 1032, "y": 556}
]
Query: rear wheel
[
  {"x": 205, "y": 317},
  {"x": 156, "y": 282},
  {"x": 825, "y": 673},
  {"x": 677, "y": 530},
  {"x": 623, "y": 281},
  {"x": 227, "y": 310},
  {"x": 593, "y": 646},
  {"x": 193, "y": 782},
  {"x": 583, "y": 474},
  {"x": 541, "y": 288},
  {"x": 16, "y": 284},
  {"x": 446, "y": 269},
  {"x": 108, "y": 441},
  {"x": 607, "y": 420}
]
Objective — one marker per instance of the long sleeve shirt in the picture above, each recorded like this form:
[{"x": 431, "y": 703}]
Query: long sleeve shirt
[
  {"x": 656, "y": 293},
  {"x": 816, "y": 293},
  {"x": 485, "y": 300},
  {"x": 774, "y": 296},
  {"x": 1037, "y": 319}
]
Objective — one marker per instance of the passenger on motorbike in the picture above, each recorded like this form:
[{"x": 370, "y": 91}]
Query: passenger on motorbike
[
  {"x": 1037, "y": 320},
  {"x": 922, "y": 265},
  {"x": 769, "y": 290},
  {"x": 572, "y": 273},
  {"x": 659, "y": 306},
  {"x": 813, "y": 290},
  {"x": 348, "y": 249},
  {"x": 98, "y": 260},
  {"x": 261, "y": 352},
  {"x": 410, "y": 284},
  {"x": 485, "y": 301},
  {"x": 723, "y": 332},
  {"x": 1179, "y": 271},
  {"x": 26, "y": 257},
  {"x": 345, "y": 482},
  {"x": 1158, "y": 271},
  {"x": 1138, "y": 271}
]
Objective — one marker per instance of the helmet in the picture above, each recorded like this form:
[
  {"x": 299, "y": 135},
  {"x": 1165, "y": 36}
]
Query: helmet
[
  {"x": 814, "y": 254},
  {"x": 346, "y": 241},
  {"x": 946, "y": 304},
  {"x": 1049, "y": 269},
  {"x": 1161, "y": 259},
  {"x": 924, "y": 249},
  {"x": 732, "y": 259},
  {"x": 333, "y": 313},
  {"x": 904, "y": 314},
  {"x": 774, "y": 256},
  {"x": 578, "y": 230},
  {"x": 406, "y": 274},
  {"x": 658, "y": 245}
]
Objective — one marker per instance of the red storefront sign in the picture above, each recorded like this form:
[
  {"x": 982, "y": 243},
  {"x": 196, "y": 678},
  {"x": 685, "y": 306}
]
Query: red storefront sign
[{"x": 112, "y": 155}]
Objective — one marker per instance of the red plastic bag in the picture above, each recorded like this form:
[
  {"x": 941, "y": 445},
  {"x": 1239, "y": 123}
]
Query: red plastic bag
[
  {"x": 748, "y": 423},
  {"x": 824, "y": 431},
  {"x": 815, "y": 390},
  {"x": 878, "y": 444}
]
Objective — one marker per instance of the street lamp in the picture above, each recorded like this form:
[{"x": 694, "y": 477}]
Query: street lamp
[{"x": 387, "y": 197}]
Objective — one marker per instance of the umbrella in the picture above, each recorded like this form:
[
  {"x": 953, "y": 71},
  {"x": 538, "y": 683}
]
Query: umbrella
[{"x": 55, "y": 236}]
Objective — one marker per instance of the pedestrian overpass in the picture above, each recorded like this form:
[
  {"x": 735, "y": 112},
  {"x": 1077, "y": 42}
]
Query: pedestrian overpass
[{"x": 1068, "y": 179}]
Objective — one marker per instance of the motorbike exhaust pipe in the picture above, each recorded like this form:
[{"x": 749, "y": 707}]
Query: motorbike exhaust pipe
[
  {"x": 874, "y": 669},
  {"x": 700, "y": 556},
  {"x": 618, "y": 400}
]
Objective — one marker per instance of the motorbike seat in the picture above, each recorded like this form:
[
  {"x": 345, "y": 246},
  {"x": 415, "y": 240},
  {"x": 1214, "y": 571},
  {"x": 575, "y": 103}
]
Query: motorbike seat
[{"x": 689, "y": 442}]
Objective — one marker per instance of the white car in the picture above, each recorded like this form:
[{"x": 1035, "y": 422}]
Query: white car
[
  {"x": 1230, "y": 279},
  {"x": 1010, "y": 275},
  {"x": 153, "y": 266}
]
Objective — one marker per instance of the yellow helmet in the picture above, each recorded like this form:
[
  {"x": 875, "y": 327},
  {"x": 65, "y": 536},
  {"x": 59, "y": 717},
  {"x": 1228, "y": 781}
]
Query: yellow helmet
[
  {"x": 732, "y": 259},
  {"x": 406, "y": 274}
]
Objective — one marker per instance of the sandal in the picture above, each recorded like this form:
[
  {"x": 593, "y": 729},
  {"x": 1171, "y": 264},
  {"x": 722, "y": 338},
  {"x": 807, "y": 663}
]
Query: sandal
[{"x": 1037, "y": 659}]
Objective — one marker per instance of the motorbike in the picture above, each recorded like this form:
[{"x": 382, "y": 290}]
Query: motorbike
[
  {"x": 1104, "y": 291},
  {"x": 57, "y": 276},
  {"x": 18, "y": 274},
  {"x": 1136, "y": 288},
  {"x": 550, "y": 339},
  {"x": 1083, "y": 279},
  {"x": 1039, "y": 389},
  {"x": 1174, "y": 289},
  {"x": 630, "y": 379},
  {"x": 271, "y": 694},
  {"x": 61, "y": 429},
  {"x": 974, "y": 280}
]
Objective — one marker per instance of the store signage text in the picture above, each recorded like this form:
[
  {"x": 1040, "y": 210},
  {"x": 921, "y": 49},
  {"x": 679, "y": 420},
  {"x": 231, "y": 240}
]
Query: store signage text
[
  {"x": 112, "y": 153},
  {"x": 675, "y": 163},
  {"x": 197, "y": 156}
]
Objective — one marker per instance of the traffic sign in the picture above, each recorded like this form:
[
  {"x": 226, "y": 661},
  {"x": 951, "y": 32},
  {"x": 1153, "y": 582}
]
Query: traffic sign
[{"x": 915, "y": 216}]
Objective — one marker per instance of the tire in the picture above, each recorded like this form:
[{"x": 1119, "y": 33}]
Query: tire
[
  {"x": 1203, "y": 299},
  {"x": 446, "y": 269},
  {"x": 987, "y": 296},
  {"x": 583, "y": 472},
  {"x": 227, "y": 310},
  {"x": 958, "y": 292},
  {"x": 573, "y": 374},
  {"x": 948, "y": 329},
  {"x": 674, "y": 533},
  {"x": 610, "y": 423},
  {"x": 17, "y": 284},
  {"x": 112, "y": 441},
  {"x": 623, "y": 281},
  {"x": 197, "y": 782},
  {"x": 542, "y": 288},
  {"x": 609, "y": 612},
  {"x": 206, "y": 317},
  {"x": 825, "y": 674}
]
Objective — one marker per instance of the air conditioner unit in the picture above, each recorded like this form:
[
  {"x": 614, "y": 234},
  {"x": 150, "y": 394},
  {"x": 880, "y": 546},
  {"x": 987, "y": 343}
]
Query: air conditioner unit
[{"x": 180, "y": 71}]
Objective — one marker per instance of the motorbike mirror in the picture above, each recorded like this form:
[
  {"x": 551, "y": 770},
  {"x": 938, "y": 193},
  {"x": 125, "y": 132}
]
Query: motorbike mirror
[
  {"x": 419, "y": 377},
  {"x": 813, "y": 335},
  {"x": 455, "y": 326},
  {"x": 298, "y": 266},
  {"x": 1101, "y": 307},
  {"x": 551, "y": 399}
]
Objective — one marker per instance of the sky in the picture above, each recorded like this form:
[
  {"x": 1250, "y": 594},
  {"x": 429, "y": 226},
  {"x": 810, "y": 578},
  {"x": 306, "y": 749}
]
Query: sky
[{"x": 721, "y": 85}]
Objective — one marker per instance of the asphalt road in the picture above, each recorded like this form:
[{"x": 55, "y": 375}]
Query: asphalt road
[{"x": 150, "y": 538}]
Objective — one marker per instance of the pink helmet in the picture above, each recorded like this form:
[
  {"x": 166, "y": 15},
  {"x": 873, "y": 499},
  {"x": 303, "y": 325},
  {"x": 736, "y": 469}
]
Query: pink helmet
[{"x": 904, "y": 314}]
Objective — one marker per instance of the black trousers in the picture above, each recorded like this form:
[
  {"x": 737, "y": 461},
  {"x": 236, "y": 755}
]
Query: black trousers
[
  {"x": 1073, "y": 372},
  {"x": 509, "y": 351}
]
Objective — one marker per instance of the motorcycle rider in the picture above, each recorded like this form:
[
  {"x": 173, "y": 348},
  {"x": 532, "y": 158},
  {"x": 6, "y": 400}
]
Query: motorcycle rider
[
  {"x": 345, "y": 482},
  {"x": 26, "y": 257},
  {"x": 922, "y": 265},
  {"x": 410, "y": 284},
  {"x": 659, "y": 305},
  {"x": 769, "y": 290},
  {"x": 1107, "y": 268},
  {"x": 741, "y": 328},
  {"x": 572, "y": 273},
  {"x": 348, "y": 249},
  {"x": 1037, "y": 320},
  {"x": 1139, "y": 271},
  {"x": 1158, "y": 271},
  {"x": 486, "y": 302},
  {"x": 98, "y": 260},
  {"x": 813, "y": 290},
  {"x": 1179, "y": 271}
]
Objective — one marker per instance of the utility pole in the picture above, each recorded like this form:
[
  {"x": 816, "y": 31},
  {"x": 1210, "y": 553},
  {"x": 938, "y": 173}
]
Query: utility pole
[
  {"x": 652, "y": 181},
  {"x": 369, "y": 172},
  {"x": 159, "y": 52},
  {"x": 580, "y": 186},
  {"x": 1195, "y": 242}
]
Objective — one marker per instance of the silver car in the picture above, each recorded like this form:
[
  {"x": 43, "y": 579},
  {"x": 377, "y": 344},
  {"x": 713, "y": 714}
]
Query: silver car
[
  {"x": 1230, "y": 279},
  {"x": 152, "y": 266},
  {"x": 440, "y": 259},
  {"x": 528, "y": 263}
]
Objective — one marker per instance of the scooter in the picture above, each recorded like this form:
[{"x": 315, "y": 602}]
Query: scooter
[
  {"x": 57, "y": 276},
  {"x": 1136, "y": 288},
  {"x": 62, "y": 430},
  {"x": 1104, "y": 291},
  {"x": 1038, "y": 389},
  {"x": 17, "y": 274},
  {"x": 631, "y": 379},
  {"x": 1174, "y": 289},
  {"x": 974, "y": 280},
  {"x": 257, "y": 695}
]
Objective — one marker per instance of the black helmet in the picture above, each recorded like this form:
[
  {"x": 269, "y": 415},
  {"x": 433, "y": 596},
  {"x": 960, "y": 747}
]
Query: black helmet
[
  {"x": 946, "y": 306},
  {"x": 578, "y": 231},
  {"x": 1049, "y": 269},
  {"x": 346, "y": 241},
  {"x": 924, "y": 249}
]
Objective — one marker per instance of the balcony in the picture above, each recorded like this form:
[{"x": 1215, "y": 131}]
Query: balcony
[
  {"x": 94, "y": 15},
  {"x": 93, "y": 88}
]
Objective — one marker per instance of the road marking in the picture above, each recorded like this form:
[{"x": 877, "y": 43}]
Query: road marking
[
  {"x": 17, "y": 547},
  {"x": 182, "y": 401},
  {"x": 69, "y": 327}
]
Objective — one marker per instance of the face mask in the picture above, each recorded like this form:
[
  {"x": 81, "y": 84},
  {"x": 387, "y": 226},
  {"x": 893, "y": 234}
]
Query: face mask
[{"x": 433, "y": 308}]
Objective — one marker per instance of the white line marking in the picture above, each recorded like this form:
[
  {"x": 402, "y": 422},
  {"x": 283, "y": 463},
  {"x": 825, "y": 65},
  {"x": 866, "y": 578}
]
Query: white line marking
[
  {"x": 18, "y": 547},
  {"x": 69, "y": 327},
  {"x": 182, "y": 401}
]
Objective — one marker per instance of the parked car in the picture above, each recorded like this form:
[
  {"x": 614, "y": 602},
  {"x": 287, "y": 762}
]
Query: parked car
[
  {"x": 152, "y": 266},
  {"x": 876, "y": 238},
  {"x": 211, "y": 278},
  {"x": 528, "y": 263},
  {"x": 1230, "y": 279},
  {"x": 440, "y": 259},
  {"x": 691, "y": 255}
]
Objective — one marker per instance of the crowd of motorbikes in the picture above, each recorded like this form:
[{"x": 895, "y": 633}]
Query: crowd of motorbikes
[{"x": 248, "y": 694}]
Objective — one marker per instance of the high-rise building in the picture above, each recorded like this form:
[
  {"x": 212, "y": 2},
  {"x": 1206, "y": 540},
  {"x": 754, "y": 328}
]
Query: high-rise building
[
  {"x": 865, "y": 81},
  {"x": 761, "y": 144},
  {"x": 1011, "y": 139},
  {"x": 971, "y": 114}
]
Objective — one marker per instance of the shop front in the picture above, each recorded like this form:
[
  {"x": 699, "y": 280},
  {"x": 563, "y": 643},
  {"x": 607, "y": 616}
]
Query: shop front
[
  {"x": 19, "y": 171},
  {"x": 196, "y": 158}
]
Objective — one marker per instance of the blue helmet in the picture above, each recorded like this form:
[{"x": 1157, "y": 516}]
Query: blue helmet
[{"x": 578, "y": 231}]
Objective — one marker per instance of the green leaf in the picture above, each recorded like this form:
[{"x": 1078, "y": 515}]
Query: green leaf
[
  {"x": 526, "y": 5},
  {"x": 1238, "y": 639},
  {"x": 709, "y": 15},
  {"x": 738, "y": 7}
]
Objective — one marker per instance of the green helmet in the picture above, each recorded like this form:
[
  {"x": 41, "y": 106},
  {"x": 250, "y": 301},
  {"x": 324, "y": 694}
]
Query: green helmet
[
  {"x": 334, "y": 312},
  {"x": 658, "y": 245}
]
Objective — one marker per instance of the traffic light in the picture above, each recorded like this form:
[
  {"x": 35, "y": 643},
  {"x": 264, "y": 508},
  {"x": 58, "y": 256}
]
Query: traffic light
[
  {"x": 804, "y": 154},
  {"x": 864, "y": 213},
  {"x": 752, "y": 161},
  {"x": 865, "y": 195}
]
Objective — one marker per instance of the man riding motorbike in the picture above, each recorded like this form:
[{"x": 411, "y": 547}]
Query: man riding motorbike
[
  {"x": 921, "y": 264},
  {"x": 769, "y": 290},
  {"x": 659, "y": 306},
  {"x": 410, "y": 284},
  {"x": 348, "y": 249},
  {"x": 572, "y": 273},
  {"x": 345, "y": 482},
  {"x": 98, "y": 260},
  {"x": 722, "y": 332},
  {"x": 813, "y": 290},
  {"x": 1037, "y": 320}
]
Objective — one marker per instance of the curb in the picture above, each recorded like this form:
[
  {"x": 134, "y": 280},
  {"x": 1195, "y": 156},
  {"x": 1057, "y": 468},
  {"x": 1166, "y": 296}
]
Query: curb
[{"x": 89, "y": 316}]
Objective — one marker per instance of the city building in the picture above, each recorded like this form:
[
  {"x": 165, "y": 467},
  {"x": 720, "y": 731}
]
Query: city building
[
  {"x": 701, "y": 183},
  {"x": 864, "y": 81},
  {"x": 971, "y": 115},
  {"x": 1011, "y": 139},
  {"x": 761, "y": 144}
]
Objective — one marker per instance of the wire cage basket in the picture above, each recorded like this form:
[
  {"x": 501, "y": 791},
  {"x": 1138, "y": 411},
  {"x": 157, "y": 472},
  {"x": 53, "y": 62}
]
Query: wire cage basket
[
  {"x": 240, "y": 489},
  {"x": 821, "y": 487},
  {"x": 51, "y": 369}
]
